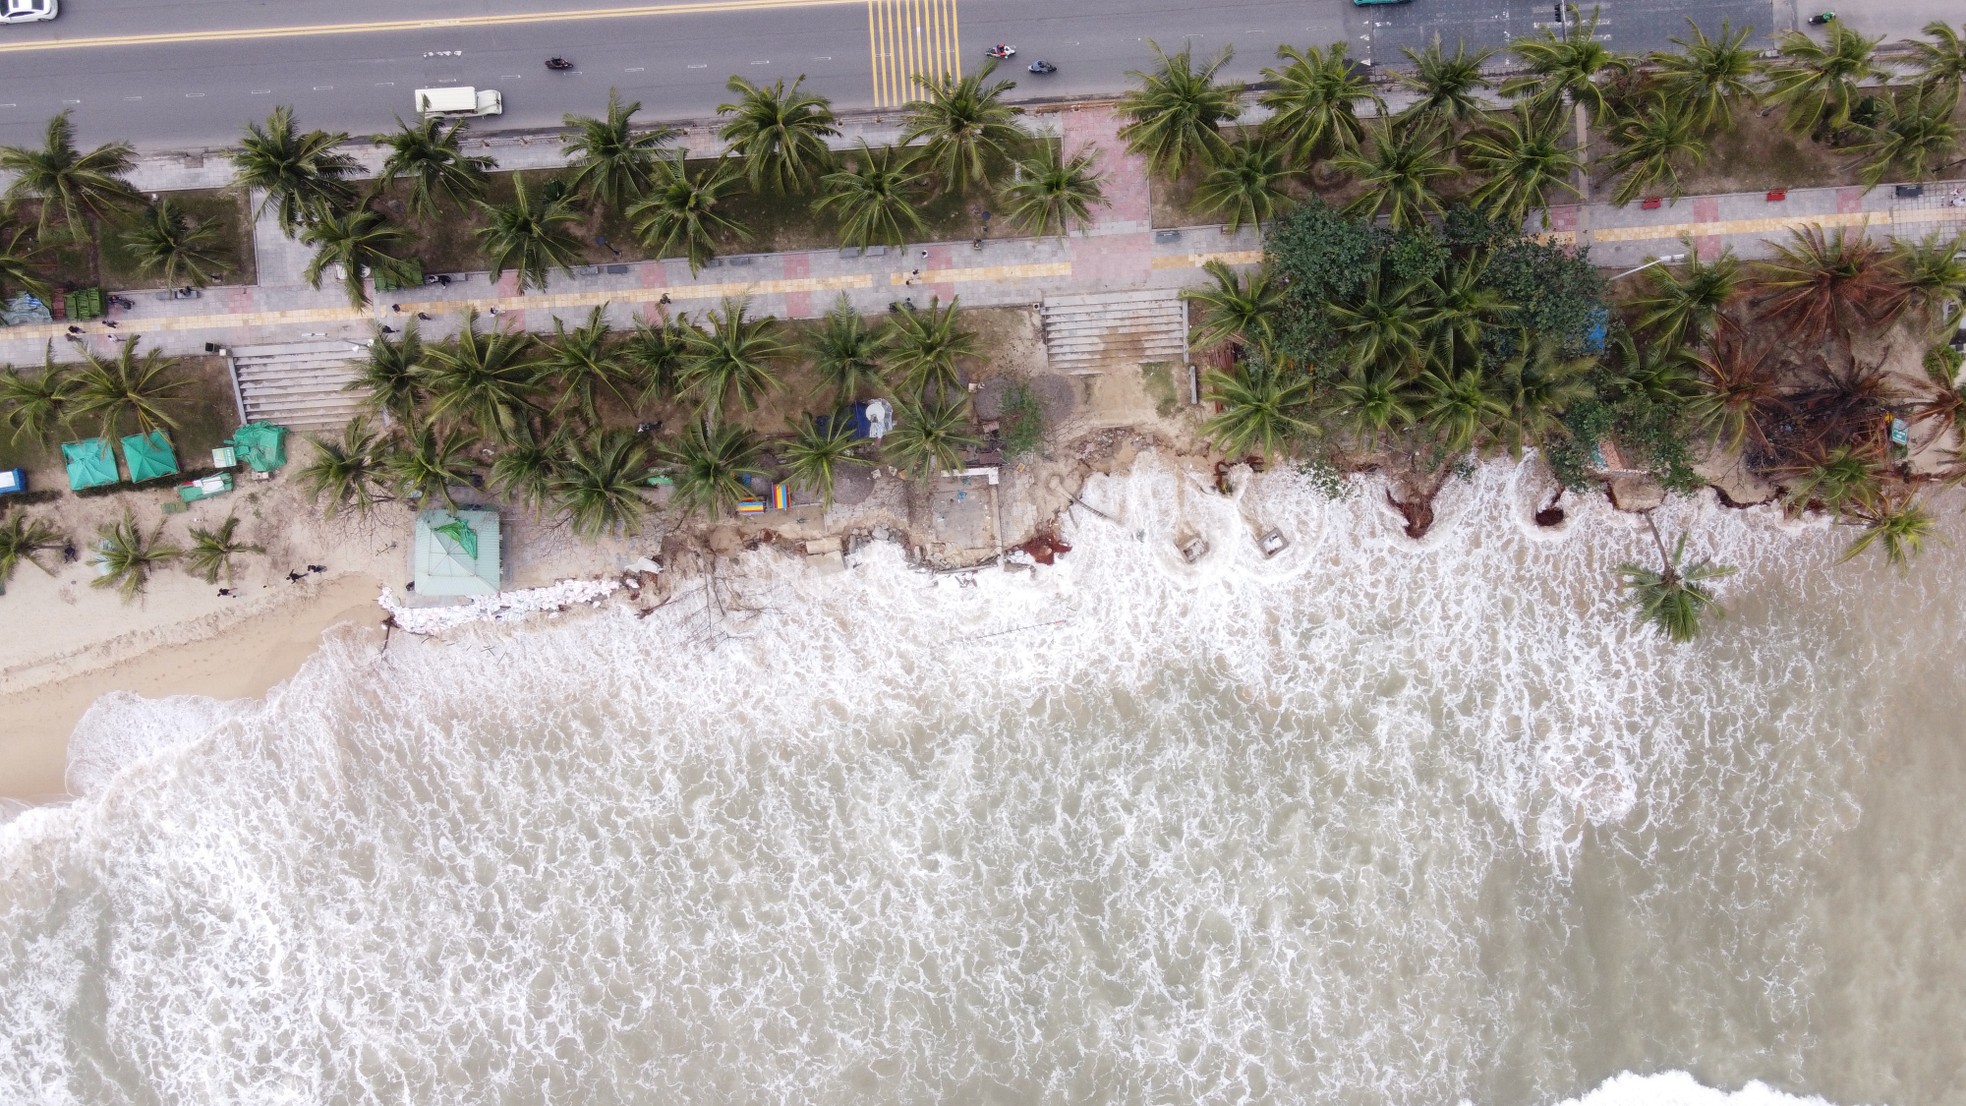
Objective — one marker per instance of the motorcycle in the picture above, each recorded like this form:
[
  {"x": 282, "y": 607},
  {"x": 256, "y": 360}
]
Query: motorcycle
[
  {"x": 558, "y": 65},
  {"x": 1819, "y": 20},
  {"x": 1000, "y": 51},
  {"x": 1042, "y": 67}
]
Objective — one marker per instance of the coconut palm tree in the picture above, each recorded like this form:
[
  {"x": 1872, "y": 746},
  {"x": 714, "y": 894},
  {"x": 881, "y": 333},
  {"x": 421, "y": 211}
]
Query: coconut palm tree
[
  {"x": 1457, "y": 405},
  {"x": 36, "y": 407},
  {"x": 180, "y": 251},
  {"x": 1538, "y": 385},
  {"x": 390, "y": 379},
  {"x": 211, "y": 551},
  {"x": 20, "y": 249},
  {"x": 1052, "y": 192},
  {"x": 1524, "y": 157},
  {"x": 430, "y": 154},
  {"x": 929, "y": 437},
  {"x": 484, "y": 379},
  {"x": 1941, "y": 62},
  {"x": 731, "y": 358},
  {"x": 612, "y": 164},
  {"x": 1653, "y": 145},
  {"x": 599, "y": 485},
  {"x": 1371, "y": 402},
  {"x": 21, "y": 539},
  {"x": 709, "y": 467},
  {"x": 1314, "y": 102},
  {"x": 816, "y": 453},
  {"x": 1818, "y": 82},
  {"x": 679, "y": 214},
  {"x": 1932, "y": 274},
  {"x": 1237, "y": 308},
  {"x": 1245, "y": 185},
  {"x": 303, "y": 175},
  {"x": 1684, "y": 304},
  {"x": 529, "y": 235},
  {"x": 582, "y": 363},
  {"x": 848, "y": 357},
  {"x": 1825, "y": 282},
  {"x": 427, "y": 464},
  {"x": 1449, "y": 87},
  {"x": 347, "y": 473},
  {"x": 1566, "y": 67},
  {"x": 1399, "y": 175},
  {"x": 1705, "y": 76},
  {"x": 76, "y": 190},
  {"x": 878, "y": 196},
  {"x": 356, "y": 241},
  {"x": 127, "y": 388},
  {"x": 1738, "y": 397},
  {"x": 1897, "y": 525},
  {"x": 1460, "y": 304},
  {"x": 654, "y": 352},
  {"x": 925, "y": 345},
  {"x": 1260, "y": 409},
  {"x": 1390, "y": 322},
  {"x": 1838, "y": 479},
  {"x": 780, "y": 134},
  {"x": 128, "y": 556},
  {"x": 1174, "y": 118},
  {"x": 1913, "y": 136},
  {"x": 967, "y": 124},
  {"x": 524, "y": 470},
  {"x": 1676, "y": 596}
]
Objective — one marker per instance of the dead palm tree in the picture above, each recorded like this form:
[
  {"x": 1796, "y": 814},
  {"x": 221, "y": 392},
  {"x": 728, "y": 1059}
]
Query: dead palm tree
[
  {"x": 779, "y": 133},
  {"x": 127, "y": 556},
  {"x": 1739, "y": 396},
  {"x": 612, "y": 163},
  {"x": 212, "y": 550},
  {"x": 1826, "y": 282},
  {"x": 1175, "y": 117}
]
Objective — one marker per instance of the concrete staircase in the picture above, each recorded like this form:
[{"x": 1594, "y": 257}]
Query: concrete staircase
[
  {"x": 300, "y": 385},
  {"x": 1106, "y": 331}
]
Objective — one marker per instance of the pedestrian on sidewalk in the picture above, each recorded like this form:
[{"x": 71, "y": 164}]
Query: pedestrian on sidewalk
[
  {"x": 976, "y": 243},
  {"x": 389, "y": 330},
  {"x": 924, "y": 253},
  {"x": 664, "y": 301},
  {"x": 111, "y": 323},
  {"x": 75, "y": 330},
  {"x": 492, "y": 310},
  {"x": 423, "y": 316},
  {"x": 396, "y": 309}
]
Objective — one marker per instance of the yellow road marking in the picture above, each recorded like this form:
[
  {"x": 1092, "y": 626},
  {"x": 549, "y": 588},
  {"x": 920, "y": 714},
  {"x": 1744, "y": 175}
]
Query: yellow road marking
[
  {"x": 1034, "y": 271},
  {"x": 316, "y": 30},
  {"x": 1198, "y": 260},
  {"x": 910, "y": 37}
]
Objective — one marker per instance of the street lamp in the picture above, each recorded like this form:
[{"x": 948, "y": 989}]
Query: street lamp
[{"x": 1669, "y": 259}]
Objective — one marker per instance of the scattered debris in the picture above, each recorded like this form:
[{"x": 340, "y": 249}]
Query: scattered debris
[{"x": 1272, "y": 542}]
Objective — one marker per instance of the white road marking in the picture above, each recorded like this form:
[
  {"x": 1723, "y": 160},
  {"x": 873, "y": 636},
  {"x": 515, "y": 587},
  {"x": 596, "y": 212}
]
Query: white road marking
[
  {"x": 699, "y": 67},
  {"x": 378, "y": 84},
  {"x": 324, "y": 88},
  {"x": 132, "y": 98},
  {"x": 635, "y": 69},
  {"x": 194, "y": 95},
  {"x": 71, "y": 101},
  {"x": 262, "y": 92}
]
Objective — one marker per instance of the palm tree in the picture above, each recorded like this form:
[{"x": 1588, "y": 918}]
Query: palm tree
[
  {"x": 303, "y": 176},
  {"x": 525, "y": 469},
  {"x": 1819, "y": 82},
  {"x": 19, "y": 249},
  {"x": 1838, "y": 479},
  {"x": 1652, "y": 146},
  {"x": 128, "y": 555},
  {"x": 1372, "y": 403},
  {"x": 1457, "y": 406},
  {"x": 611, "y": 163},
  {"x": 1524, "y": 157},
  {"x": 1706, "y": 75},
  {"x": 75, "y": 189},
  {"x": 1236, "y": 309},
  {"x": 427, "y": 464},
  {"x": 1537, "y": 386},
  {"x": 529, "y": 235},
  {"x": 1261, "y": 410},
  {"x": 211, "y": 551},
  {"x": 679, "y": 214},
  {"x": 1245, "y": 185},
  {"x": 583, "y": 362},
  {"x": 1052, "y": 192},
  {"x": 924, "y": 346},
  {"x": 390, "y": 379},
  {"x": 599, "y": 484},
  {"x": 967, "y": 124},
  {"x": 779, "y": 133},
  {"x": 1566, "y": 67},
  {"x": 929, "y": 437},
  {"x": 848, "y": 356},
  {"x": 1738, "y": 397},
  {"x": 1388, "y": 325},
  {"x": 817, "y": 452},
  {"x": 1399, "y": 176},
  {"x": 731, "y": 358},
  {"x": 710, "y": 466},
  {"x": 430, "y": 152},
  {"x": 1684, "y": 305},
  {"x": 1932, "y": 274},
  {"x": 358, "y": 241},
  {"x": 21, "y": 538},
  {"x": 485, "y": 379},
  {"x": 141, "y": 390},
  {"x": 1825, "y": 281},
  {"x": 36, "y": 407},
  {"x": 1897, "y": 525},
  {"x": 347, "y": 473},
  {"x": 878, "y": 195},
  {"x": 1176, "y": 115},
  {"x": 1913, "y": 137},
  {"x": 1673, "y": 598},
  {"x": 179, "y": 250},
  {"x": 1449, "y": 87},
  {"x": 1942, "y": 61},
  {"x": 1314, "y": 102},
  {"x": 655, "y": 352}
]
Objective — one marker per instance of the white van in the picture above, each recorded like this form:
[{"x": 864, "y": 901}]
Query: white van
[{"x": 452, "y": 103}]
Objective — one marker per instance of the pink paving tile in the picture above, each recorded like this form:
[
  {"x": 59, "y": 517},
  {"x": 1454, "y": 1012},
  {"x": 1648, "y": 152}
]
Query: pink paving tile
[
  {"x": 1563, "y": 218},
  {"x": 1122, "y": 175},
  {"x": 1850, "y": 200},
  {"x": 1708, "y": 246},
  {"x": 798, "y": 305},
  {"x": 1115, "y": 261},
  {"x": 1706, "y": 209}
]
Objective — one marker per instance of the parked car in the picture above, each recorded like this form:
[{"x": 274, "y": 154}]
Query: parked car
[{"x": 28, "y": 11}]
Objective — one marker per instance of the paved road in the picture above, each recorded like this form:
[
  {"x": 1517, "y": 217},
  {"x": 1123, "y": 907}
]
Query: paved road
[{"x": 354, "y": 65}]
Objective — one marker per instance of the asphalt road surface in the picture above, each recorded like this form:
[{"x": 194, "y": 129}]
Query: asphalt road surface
[{"x": 186, "y": 75}]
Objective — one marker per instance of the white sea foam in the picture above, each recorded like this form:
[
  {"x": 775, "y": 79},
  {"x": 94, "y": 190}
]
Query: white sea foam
[{"x": 1374, "y": 820}]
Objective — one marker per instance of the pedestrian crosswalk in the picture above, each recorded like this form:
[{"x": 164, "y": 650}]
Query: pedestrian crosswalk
[{"x": 906, "y": 38}]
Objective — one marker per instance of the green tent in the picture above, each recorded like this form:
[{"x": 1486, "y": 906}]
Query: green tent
[
  {"x": 149, "y": 456},
  {"x": 456, "y": 552},
  {"x": 90, "y": 463},
  {"x": 261, "y": 445}
]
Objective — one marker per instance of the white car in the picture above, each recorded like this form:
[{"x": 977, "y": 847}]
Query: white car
[{"x": 28, "y": 11}]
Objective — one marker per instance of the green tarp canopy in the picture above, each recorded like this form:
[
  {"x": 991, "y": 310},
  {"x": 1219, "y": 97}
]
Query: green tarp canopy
[
  {"x": 261, "y": 445},
  {"x": 84, "y": 304},
  {"x": 456, "y": 552},
  {"x": 90, "y": 463},
  {"x": 149, "y": 456}
]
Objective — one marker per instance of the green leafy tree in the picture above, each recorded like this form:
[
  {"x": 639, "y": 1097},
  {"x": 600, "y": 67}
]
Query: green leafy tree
[
  {"x": 1913, "y": 136},
  {"x": 1245, "y": 185},
  {"x": 212, "y": 550},
  {"x": 1174, "y": 118},
  {"x": 1569, "y": 67},
  {"x": 1314, "y": 102},
  {"x": 1707, "y": 76},
  {"x": 357, "y": 241},
  {"x": 1523, "y": 158},
  {"x": 1897, "y": 526},
  {"x": 36, "y": 407},
  {"x": 176, "y": 249},
  {"x": 430, "y": 155},
  {"x": 1941, "y": 62},
  {"x": 1685, "y": 304},
  {"x": 1400, "y": 174},
  {"x": 525, "y": 469},
  {"x": 926, "y": 346},
  {"x": 1457, "y": 406},
  {"x": 347, "y": 474},
  {"x": 303, "y": 175},
  {"x": 1236, "y": 308},
  {"x": 710, "y": 466},
  {"x": 816, "y": 453},
  {"x": 1449, "y": 87},
  {"x": 877, "y": 195},
  {"x": 1675, "y": 597},
  {"x": 20, "y": 269},
  {"x": 929, "y": 437},
  {"x": 1819, "y": 82},
  {"x": 127, "y": 389},
  {"x": 849, "y": 358},
  {"x": 611, "y": 163},
  {"x": 1538, "y": 385},
  {"x": 128, "y": 556},
  {"x": 599, "y": 486},
  {"x": 76, "y": 190},
  {"x": 529, "y": 235},
  {"x": 485, "y": 379},
  {"x": 427, "y": 464},
  {"x": 967, "y": 124},
  {"x": 779, "y": 134},
  {"x": 1932, "y": 275},
  {"x": 1372, "y": 403},
  {"x": 1838, "y": 479},
  {"x": 390, "y": 378},
  {"x": 680, "y": 214},
  {"x": 1052, "y": 192},
  {"x": 23, "y": 539},
  {"x": 732, "y": 358},
  {"x": 1261, "y": 410}
]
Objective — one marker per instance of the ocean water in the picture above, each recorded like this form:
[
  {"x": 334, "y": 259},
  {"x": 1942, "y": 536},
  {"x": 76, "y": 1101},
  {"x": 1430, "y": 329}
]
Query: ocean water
[{"x": 1376, "y": 821}]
